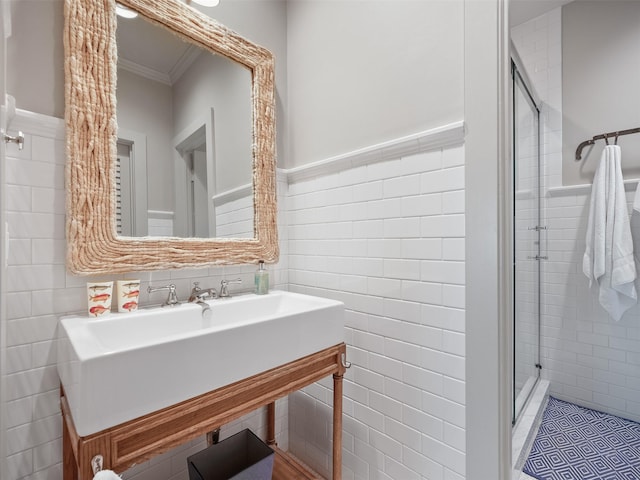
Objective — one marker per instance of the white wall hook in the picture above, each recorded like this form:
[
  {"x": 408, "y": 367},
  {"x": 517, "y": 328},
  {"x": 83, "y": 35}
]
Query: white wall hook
[
  {"x": 343, "y": 360},
  {"x": 18, "y": 139}
]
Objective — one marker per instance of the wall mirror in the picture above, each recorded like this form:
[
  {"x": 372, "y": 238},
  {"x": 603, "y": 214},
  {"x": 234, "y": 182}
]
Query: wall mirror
[{"x": 170, "y": 123}]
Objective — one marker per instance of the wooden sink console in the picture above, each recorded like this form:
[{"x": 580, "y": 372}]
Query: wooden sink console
[{"x": 142, "y": 438}]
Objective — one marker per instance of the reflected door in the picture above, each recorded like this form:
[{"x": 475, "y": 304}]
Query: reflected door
[{"x": 199, "y": 205}]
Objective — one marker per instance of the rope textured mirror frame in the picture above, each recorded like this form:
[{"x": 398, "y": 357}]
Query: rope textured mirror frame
[{"x": 93, "y": 247}]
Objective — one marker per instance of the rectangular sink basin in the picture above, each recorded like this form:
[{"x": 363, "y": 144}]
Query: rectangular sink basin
[{"x": 122, "y": 366}]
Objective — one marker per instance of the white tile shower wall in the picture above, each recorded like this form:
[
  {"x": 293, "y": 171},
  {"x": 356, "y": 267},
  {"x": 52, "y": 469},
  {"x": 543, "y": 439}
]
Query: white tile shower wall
[
  {"x": 39, "y": 291},
  {"x": 539, "y": 44},
  {"x": 388, "y": 240},
  {"x": 589, "y": 358}
]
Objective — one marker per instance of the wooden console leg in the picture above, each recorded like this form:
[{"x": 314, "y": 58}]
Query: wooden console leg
[
  {"x": 271, "y": 424},
  {"x": 87, "y": 450},
  {"x": 337, "y": 427},
  {"x": 69, "y": 466}
]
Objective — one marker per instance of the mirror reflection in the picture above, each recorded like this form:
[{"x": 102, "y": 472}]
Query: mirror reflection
[{"x": 184, "y": 137}]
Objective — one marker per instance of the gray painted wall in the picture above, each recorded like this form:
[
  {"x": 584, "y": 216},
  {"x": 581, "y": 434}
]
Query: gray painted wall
[
  {"x": 396, "y": 81},
  {"x": 36, "y": 79},
  {"x": 36, "y": 54},
  {"x": 146, "y": 107},
  {"x": 265, "y": 23},
  {"x": 218, "y": 83},
  {"x": 601, "y": 74}
]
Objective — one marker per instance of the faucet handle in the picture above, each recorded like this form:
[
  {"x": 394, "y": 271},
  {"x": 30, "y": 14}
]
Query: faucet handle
[
  {"x": 172, "y": 297},
  {"x": 224, "y": 287}
]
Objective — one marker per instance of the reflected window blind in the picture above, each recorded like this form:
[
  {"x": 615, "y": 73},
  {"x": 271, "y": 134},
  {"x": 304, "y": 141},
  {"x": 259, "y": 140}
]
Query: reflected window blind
[{"x": 118, "y": 196}]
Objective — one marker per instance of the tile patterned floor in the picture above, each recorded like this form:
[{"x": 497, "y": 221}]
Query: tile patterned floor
[{"x": 577, "y": 443}]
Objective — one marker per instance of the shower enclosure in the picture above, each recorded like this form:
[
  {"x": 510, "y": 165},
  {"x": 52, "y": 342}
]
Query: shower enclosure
[{"x": 526, "y": 239}]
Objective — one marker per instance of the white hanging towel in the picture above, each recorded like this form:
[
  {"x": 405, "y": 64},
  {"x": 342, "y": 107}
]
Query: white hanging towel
[
  {"x": 106, "y": 475},
  {"x": 635, "y": 226},
  {"x": 608, "y": 258},
  {"x": 636, "y": 199}
]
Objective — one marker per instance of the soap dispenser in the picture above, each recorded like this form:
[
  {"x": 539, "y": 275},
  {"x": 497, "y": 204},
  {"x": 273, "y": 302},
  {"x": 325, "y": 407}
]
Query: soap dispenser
[{"x": 262, "y": 280}]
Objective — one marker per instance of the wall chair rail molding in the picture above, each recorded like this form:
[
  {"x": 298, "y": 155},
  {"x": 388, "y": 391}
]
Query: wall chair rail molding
[
  {"x": 38, "y": 124},
  {"x": 231, "y": 195},
  {"x": 585, "y": 189},
  {"x": 94, "y": 247},
  {"x": 449, "y": 135}
]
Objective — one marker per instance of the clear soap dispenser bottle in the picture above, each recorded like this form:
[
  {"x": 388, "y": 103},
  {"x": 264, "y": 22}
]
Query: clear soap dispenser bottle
[{"x": 262, "y": 280}]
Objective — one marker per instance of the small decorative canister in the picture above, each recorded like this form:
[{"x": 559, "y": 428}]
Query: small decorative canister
[
  {"x": 128, "y": 293},
  {"x": 99, "y": 298}
]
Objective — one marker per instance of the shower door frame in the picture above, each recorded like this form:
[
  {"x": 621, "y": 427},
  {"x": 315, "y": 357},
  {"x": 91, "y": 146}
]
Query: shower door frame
[
  {"x": 519, "y": 76},
  {"x": 5, "y": 33}
]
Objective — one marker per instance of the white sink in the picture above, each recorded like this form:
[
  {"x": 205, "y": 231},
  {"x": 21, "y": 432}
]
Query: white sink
[{"x": 119, "y": 367}]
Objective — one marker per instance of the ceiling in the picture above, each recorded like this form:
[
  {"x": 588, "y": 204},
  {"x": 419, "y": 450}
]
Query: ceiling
[
  {"x": 521, "y": 11},
  {"x": 152, "y": 51}
]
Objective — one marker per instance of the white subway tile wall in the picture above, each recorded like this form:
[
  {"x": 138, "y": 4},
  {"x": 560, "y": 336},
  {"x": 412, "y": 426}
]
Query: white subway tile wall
[
  {"x": 396, "y": 261},
  {"x": 160, "y": 224},
  {"x": 588, "y": 358},
  {"x": 39, "y": 291},
  {"x": 387, "y": 239},
  {"x": 533, "y": 40},
  {"x": 539, "y": 44},
  {"x": 234, "y": 219}
]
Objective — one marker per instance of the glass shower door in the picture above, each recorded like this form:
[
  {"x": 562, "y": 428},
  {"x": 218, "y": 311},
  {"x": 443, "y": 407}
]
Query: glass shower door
[{"x": 526, "y": 208}]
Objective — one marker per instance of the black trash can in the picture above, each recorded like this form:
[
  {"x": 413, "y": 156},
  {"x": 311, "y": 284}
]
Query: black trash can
[{"x": 242, "y": 456}]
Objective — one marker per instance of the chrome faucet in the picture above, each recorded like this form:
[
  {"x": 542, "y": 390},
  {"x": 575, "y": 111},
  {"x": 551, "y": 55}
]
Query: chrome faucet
[
  {"x": 224, "y": 287},
  {"x": 199, "y": 295},
  {"x": 172, "y": 297}
]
